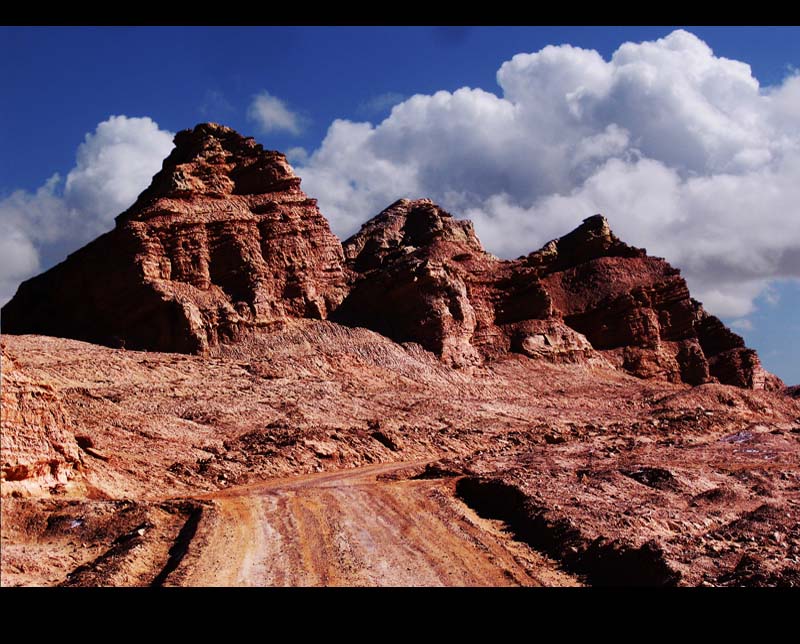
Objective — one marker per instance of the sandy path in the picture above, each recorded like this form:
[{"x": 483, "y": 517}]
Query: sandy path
[{"x": 350, "y": 528}]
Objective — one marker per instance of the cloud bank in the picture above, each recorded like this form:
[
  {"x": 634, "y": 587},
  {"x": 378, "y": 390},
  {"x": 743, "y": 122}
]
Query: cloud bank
[
  {"x": 682, "y": 150},
  {"x": 112, "y": 166}
]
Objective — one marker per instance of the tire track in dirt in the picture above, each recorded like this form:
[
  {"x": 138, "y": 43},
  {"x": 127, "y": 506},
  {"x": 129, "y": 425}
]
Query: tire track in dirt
[{"x": 349, "y": 528}]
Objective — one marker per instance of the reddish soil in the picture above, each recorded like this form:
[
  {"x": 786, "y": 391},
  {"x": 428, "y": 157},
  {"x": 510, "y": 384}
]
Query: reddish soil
[{"x": 186, "y": 461}]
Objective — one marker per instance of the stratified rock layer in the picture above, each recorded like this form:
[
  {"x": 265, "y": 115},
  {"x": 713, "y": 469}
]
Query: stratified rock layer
[
  {"x": 419, "y": 275},
  {"x": 221, "y": 243},
  {"x": 37, "y": 437}
]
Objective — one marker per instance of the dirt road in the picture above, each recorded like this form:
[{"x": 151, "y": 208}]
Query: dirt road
[{"x": 353, "y": 528}]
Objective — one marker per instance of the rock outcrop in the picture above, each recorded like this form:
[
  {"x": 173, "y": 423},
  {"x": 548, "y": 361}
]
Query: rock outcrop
[
  {"x": 637, "y": 311},
  {"x": 37, "y": 440},
  {"x": 409, "y": 271},
  {"x": 223, "y": 242},
  {"x": 419, "y": 275}
]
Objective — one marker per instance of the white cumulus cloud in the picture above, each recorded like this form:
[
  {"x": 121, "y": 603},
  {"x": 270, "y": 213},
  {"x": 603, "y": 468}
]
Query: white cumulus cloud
[
  {"x": 18, "y": 259},
  {"x": 271, "y": 114},
  {"x": 113, "y": 165},
  {"x": 297, "y": 154},
  {"x": 742, "y": 324},
  {"x": 683, "y": 151}
]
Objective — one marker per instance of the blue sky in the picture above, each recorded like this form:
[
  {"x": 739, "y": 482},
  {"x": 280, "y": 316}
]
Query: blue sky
[{"x": 669, "y": 138}]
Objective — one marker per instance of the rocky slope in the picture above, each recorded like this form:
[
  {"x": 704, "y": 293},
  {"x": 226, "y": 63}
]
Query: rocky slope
[
  {"x": 315, "y": 396},
  {"x": 39, "y": 439},
  {"x": 714, "y": 510}
]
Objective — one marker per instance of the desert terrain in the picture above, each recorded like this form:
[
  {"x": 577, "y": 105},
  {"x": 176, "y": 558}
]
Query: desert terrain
[{"x": 219, "y": 392}]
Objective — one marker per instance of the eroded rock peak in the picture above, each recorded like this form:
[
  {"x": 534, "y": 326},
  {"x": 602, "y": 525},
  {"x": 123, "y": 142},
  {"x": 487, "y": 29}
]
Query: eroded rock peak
[
  {"x": 222, "y": 243},
  {"x": 216, "y": 163},
  {"x": 404, "y": 227}
]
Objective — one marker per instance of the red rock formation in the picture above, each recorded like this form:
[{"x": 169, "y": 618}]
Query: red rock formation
[
  {"x": 222, "y": 242},
  {"x": 419, "y": 275},
  {"x": 407, "y": 284},
  {"x": 638, "y": 311}
]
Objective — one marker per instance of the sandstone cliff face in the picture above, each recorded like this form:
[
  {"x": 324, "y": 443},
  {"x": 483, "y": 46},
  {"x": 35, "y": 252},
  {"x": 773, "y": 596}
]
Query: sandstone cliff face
[
  {"x": 408, "y": 282},
  {"x": 419, "y": 275},
  {"x": 637, "y": 310},
  {"x": 37, "y": 442},
  {"x": 223, "y": 242}
]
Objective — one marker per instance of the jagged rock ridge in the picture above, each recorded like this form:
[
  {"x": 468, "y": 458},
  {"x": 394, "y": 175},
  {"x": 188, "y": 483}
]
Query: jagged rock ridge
[
  {"x": 224, "y": 244},
  {"x": 419, "y": 275}
]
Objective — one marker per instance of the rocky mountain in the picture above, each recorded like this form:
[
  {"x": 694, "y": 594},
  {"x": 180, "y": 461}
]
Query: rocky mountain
[
  {"x": 225, "y": 244},
  {"x": 222, "y": 243},
  {"x": 417, "y": 274}
]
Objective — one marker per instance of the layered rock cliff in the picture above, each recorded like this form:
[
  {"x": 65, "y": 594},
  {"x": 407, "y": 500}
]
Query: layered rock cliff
[
  {"x": 419, "y": 275},
  {"x": 225, "y": 244}
]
